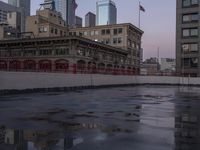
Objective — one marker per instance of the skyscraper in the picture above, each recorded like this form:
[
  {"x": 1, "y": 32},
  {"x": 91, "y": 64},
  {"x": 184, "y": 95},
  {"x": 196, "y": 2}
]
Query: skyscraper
[
  {"x": 90, "y": 19},
  {"x": 24, "y": 5},
  {"x": 79, "y": 22},
  {"x": 106, "y": 12},
  {"x": 187, "y": 38},
  {"x": 67, "y": 8},
  {"x": 4, "y": 9}
]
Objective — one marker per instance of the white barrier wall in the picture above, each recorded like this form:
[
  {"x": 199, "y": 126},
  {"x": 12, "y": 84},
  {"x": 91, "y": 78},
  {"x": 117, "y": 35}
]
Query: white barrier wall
[{"x": 31, "y": 80}]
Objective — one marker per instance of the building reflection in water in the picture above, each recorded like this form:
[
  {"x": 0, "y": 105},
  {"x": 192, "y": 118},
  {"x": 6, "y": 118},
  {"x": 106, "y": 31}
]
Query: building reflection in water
[
  {"x": 187, "y": 122},
  {"x": 11, "y": 139}
]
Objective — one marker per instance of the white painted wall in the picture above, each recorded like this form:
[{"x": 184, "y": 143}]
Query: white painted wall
[{"x": 32, "y": 80}]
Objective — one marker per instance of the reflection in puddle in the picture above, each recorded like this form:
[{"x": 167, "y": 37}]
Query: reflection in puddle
[{"x": 153, "y": 118}]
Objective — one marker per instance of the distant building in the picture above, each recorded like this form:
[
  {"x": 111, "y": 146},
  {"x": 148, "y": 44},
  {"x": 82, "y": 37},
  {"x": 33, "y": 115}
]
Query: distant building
[
  {"x": 167, "y": 65},
  {"x": 11, "y": 28},
  {"x": 24, "y": 6},
  {"x": 90, "y": 20},
  {"x": 46, "y": 23},
  {"x": 5, "y": 8},
  {"x": 12, "y": 139},
  {"x": 79, "y": 22},
  {"x": 67, "y": 8},
  {"x": 14, "y": 20},
  {"x": 106, "y": 12},
  {"x": 125, "y": 36},
  {"x": 62, "y": 54},
  {"x": 187, "y": 38},
  {"x": 150, "y": 66}
]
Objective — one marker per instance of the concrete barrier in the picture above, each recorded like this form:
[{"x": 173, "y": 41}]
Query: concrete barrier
[{"x": 34, "y": 80}]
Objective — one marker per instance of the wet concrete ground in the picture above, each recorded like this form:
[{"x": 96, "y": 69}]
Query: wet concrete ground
[{"x": 125, "y": 118}]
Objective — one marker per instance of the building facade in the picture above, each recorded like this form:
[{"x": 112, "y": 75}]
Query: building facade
[
  {"x": 125, "y": 36},
  {"x": 106, "y": 12},
  {"x": 167, "y": 65},
  {"x": 79, "y": 22},
  {"x": 75, "y": 54},
  {"x": 90, "y": 20},
  {"x": 150, "y": 66},
  {"x": 68, "y": 10},
  {"x": 12, "y": 28},
  {"x": 46, "y": 23},
  {"x": 6, "y": 8},
  {"x": 187, "y": 38},
  {"x": 24, "y": 6}
]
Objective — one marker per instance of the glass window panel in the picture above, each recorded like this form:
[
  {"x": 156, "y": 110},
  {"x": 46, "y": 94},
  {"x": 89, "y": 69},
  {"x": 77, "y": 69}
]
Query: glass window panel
[
  {"x": 115, "y": 31},
  {"x": 186, "y": 32},
  {"x": 194, "y": 2},
  {"x": 120, "y": 30},
  {"x": 194, "y": 62},
  {"x": 194, "y": 32},
  {"x": 186, "y": 18},
  {"x": 194, "y": 47},
  {"x": 195, "y": 17},
  {"x": 186, "y": 2},
  {"x": 103, "y": 16},
  {"x": 185, "y": 47}
]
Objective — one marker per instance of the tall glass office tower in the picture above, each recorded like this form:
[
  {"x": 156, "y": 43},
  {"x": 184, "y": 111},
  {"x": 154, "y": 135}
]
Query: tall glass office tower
[
  {"x": 106, "y": 12},
  {"x": 24, "y": 5},
  {"x": 68, "y": 10}
]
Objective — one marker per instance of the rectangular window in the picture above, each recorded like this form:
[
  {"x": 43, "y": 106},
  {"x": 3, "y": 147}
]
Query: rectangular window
[
  {"x": 120, "y": 30},
  {"x": 195, "y": 17},
  {"x": 194, "y": 2},
  {"x": 103, "y": 32},
  {"x": 107, "y": 31},
  {"x": 106, "y": 41},
  {"x": 119, "y": 40},
  {"x": 188, "y": 3},
  {"x": 62, "y": 51},
  {"x": 52, "y": 30},
  {"x": 80, "y": 34},
  {"x": 115, "y": 31},
  {"x": 194, "y": 32},
  {"x": 45, "y": 29},
  {"x": 190, "y": 32},
  {"x": 56, "y": 31},
  {"x": 114, "y": 40},
  {"x": 190, "y": 47},
  {"x": 190, "y": 62},
  {"x": 190, "y": 17}
]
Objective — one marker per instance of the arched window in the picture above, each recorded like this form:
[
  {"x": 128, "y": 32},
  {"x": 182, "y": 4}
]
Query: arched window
[
  {"x": 29, "y": 65},
  {"x": 81, "y": 64},
  {"x": 61, "y": 65},
  {"x": 14, "y": 65},
  {"x": 3, "y": 65},
  {"x": 101, "y": 67},
  {"x": 45, "y": 65}
]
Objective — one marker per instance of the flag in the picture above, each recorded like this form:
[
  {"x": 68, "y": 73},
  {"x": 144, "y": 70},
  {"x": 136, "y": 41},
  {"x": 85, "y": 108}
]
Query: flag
[{"x": 142, "y": 8}]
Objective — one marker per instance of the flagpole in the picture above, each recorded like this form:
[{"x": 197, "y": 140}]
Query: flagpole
[{"x": 139, "y": 15}]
